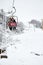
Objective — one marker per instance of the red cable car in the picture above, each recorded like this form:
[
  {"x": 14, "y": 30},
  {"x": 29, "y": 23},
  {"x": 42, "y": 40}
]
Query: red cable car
[{"x": 12, "y": 24}]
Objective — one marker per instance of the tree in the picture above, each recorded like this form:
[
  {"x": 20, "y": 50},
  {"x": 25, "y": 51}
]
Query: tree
[{"x": 42, "y": 24}]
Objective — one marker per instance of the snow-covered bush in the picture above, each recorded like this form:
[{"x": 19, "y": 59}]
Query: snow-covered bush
[
  {"x": 20, "y": 26},
  {"x": 35, "y": 23},
  {"x": 42, "y": 24}
]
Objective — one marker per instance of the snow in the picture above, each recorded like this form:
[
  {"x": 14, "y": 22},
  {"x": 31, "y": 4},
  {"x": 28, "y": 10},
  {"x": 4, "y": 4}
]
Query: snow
[{"x": 19, "y": 47}]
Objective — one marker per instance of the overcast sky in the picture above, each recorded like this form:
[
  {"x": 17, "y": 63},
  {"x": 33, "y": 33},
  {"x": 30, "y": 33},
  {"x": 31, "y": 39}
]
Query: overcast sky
[{"x": 26, "y": 9}]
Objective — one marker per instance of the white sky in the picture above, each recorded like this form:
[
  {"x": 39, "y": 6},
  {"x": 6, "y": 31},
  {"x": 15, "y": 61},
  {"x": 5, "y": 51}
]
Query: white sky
[{"x": 26, "y": 9}]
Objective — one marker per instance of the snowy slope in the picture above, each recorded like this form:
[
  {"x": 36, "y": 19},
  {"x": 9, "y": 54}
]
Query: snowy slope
[{"x": 22, "y": 48}]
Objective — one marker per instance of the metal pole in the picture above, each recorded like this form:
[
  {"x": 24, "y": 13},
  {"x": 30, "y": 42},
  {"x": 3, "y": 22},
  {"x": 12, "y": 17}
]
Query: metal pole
[{"x": 13, "y": 3}]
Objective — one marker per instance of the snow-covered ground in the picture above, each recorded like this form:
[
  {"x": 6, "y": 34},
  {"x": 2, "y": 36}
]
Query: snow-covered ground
[{"x": 23, "y": 48}]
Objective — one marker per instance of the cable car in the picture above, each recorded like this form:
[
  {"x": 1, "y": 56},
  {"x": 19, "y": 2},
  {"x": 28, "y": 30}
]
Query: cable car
[{"x": 12, "y": 24}]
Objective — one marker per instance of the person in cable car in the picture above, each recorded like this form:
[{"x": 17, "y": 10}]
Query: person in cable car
[{"x": 12, "y": 24}]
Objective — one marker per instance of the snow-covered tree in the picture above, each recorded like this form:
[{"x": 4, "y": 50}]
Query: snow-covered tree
[{"x": 42, "y": 24}]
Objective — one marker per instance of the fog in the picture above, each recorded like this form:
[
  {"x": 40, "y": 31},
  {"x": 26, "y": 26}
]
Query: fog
[{"x": 25, "y": 9}]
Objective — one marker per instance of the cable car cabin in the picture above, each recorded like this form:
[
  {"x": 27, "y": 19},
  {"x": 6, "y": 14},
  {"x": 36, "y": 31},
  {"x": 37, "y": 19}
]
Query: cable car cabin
[{"x": 12, "y": 24}]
